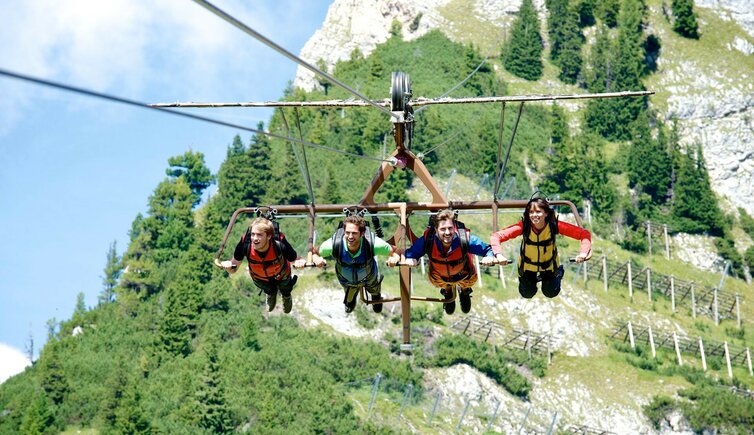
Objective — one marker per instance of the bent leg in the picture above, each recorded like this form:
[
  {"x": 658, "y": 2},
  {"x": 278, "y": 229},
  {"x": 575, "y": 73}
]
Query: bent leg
[
  {"x": 551, "y": 282},
  {"x": 527, "y": 284}
]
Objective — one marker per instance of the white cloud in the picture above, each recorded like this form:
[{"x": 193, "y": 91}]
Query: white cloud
[
  {"x": 164, "y": 50},
  {"x": 12, "y": 361}
]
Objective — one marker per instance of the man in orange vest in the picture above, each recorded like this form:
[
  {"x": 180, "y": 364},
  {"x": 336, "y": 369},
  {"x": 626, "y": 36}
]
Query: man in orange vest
[
  {"x": 449, "y": 247},
  {"x": 269, "y": 256}
]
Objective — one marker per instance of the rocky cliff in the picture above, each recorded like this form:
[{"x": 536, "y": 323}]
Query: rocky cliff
[{"x": 707, "y": 85}]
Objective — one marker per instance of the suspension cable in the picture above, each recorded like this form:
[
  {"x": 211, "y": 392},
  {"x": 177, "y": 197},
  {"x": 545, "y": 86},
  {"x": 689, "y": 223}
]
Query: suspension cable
[
  {"x": 489, "y": 53},
  {"x": 453, "y": 136},
  {"x": 248, "y": 30},
  {"x": 499, "y": 151},
  {"x": 510, "y": 144},
  {"x": 298, "y": 159},
  {"x": 306, "y": 163},
  {"x": 177, "y": 113}
]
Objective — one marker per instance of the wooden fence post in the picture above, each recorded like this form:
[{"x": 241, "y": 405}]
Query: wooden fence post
[
  {"x": 649, "y": 284},
  {"x": 727, "y": 360},
  {"x": 631, "y": 335},
  {"x": 604, "y": 272},
  {"x": 652, "y": 343},
  {"x": 693, "y": 302},
  {"x": 479, "y": 271},
  {"x": 677, "y": 349},
  {"x": 502, "y": 276},
  {"x": 701, "y": 351},
  {"x": 667, "y": 245},
  {"x": 422, "y": 263},
  {"x": 748, "y": 361},
  {"x": 630, "y": 282},
  {"x": 585, "y": 272},
  {"x": 672, "y": 293},
  {"x": 649, "y": 237}
]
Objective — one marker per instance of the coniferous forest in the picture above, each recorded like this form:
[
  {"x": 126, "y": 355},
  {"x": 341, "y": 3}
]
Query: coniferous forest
[{"x": 174, "y": 346}]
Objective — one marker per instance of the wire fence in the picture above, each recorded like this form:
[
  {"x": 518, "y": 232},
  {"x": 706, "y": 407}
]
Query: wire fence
[{"x": 683, "y": 345}]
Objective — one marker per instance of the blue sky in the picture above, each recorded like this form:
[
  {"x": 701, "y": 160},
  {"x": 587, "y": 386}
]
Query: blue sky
[{"x": 75, "y": 171}]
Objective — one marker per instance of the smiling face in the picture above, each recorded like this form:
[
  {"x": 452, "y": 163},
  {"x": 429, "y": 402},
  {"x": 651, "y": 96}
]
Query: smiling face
[
  {"x": 445, "y": 231},
  {"x": 537, "y": 216},
  {"x": 260, "y": 238},
  {"x": 353, "y": 237}
]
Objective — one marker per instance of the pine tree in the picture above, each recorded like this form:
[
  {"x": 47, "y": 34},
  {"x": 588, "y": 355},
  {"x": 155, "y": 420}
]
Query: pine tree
[
  {"x": 289, "y": 187},
  {"x": 191, "y": 167},
  {"x": 175, "y": 336},
  {"x": 613, "y": 117},
  {"x": 649, "y": 163},
  {"x": 53, "y": 377},
  {"x": 259, "y": 155},
  {"x": 685, "y": 19},
  {"x": 694, "y": 205},
  {"x": 569, "y": 59},
  {"x": 608, "y": 11},
  {"x": 214, "y": 414},
  {"x": 38, "y": 418},
  {"x": 113, "y": 270},
  {"x": 557, "y": 14},
  {"x": 586, "y": 13},
  {"x": 523, "y": 53}
]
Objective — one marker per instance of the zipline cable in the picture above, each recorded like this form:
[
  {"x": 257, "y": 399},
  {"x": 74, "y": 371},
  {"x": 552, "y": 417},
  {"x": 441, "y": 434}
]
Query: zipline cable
[
  {"x": 248, "y": 30},
  {"x": 175, "y": 112},
  {"x": 453, "y": 136},
  {"x": 499, "y": 152}
]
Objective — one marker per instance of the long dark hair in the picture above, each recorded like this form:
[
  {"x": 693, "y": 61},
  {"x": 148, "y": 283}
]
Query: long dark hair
[{"x": 550, "y": 217}]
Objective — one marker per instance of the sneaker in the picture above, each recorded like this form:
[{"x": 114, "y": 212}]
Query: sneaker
[
  {"x": 377, "y": 308},
  {"x": 450, "y": 307},
  {"x": 272, "y": 299},
  {"x": 287, "y": 304},
  {"x": 465, "y": 297},
  {"x": 350, "y": 304}
]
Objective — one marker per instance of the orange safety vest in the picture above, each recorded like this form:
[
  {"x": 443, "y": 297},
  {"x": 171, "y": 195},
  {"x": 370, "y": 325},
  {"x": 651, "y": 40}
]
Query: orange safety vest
[
  {"x": 459, "y": 262},
  {"x": 273, "y": 266}
]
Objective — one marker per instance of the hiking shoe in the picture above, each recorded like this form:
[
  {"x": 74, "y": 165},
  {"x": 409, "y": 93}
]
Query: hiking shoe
[
  {"x": 350, "y": 306},
  {"x": 287, "y": 304},
  {"x": 272, "y": 299},
  {"x": 450, "y": 307},
  {"x": 377, "y": 308},
  {"x": 465, "y": 297}
]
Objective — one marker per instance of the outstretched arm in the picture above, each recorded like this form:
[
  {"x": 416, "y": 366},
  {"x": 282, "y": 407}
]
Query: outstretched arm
[
  {"x": 581, "y": 234},
  {"x": 507, "y": 233}
]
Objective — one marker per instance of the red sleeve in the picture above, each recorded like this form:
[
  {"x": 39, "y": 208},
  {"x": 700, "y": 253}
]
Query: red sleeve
[
  {"x": 577, "y": 233},
  {"x": 507, "y": 233}
]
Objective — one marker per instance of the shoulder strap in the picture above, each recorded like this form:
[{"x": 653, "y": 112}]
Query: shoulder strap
[
  {"x": 368, "y": 247},
  {"x": 247, "y": 242},
  {"x": 429, "y": 240},
  {"x": 337, "y": 243}
]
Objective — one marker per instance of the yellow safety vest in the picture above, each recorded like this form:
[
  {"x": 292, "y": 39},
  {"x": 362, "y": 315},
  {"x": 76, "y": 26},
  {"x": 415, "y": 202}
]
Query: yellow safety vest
[{"x": 538, "y": 252}]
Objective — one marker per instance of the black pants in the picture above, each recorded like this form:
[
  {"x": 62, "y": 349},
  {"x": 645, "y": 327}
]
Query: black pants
[
  {"x": 527, "y": 283},
  {"x": 272, "y": 287}
]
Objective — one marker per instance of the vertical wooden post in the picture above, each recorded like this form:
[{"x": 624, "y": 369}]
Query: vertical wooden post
[
  {"x": 630, "y": 282},
  {"x": 748, "y": 361},
  {"x": 738, "y": 311},
  {"x": 667, "y": 244},
  {"x": 693, "y": 302},
  {"x": 478, "y": 271},
  {"x": 727, "y": 360},
  {"x": 701, "y": 351},
  {"x": 502, "y": 276},
  {"x": 677, "y": 349},
  {"x": 649, "y": 284},
  {"x": 604, "y": 272},
  {"x": 422, "y": 263},
  {"x": 652, "y": 343},
  {"x": 649, "y": 237},
  {"x": 631, "y": 335},
  {"x": 672, "y": 293},
  {"x": 586, "y": 275}
]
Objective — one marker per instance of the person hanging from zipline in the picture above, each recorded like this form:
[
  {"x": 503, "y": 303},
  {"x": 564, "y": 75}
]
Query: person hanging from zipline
[
  {"x": 538, "y": 256},
  {"x": 450, "y": 247},
  {"x": 269, "y": 256},
  {"x": 353, "y": 246}
]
